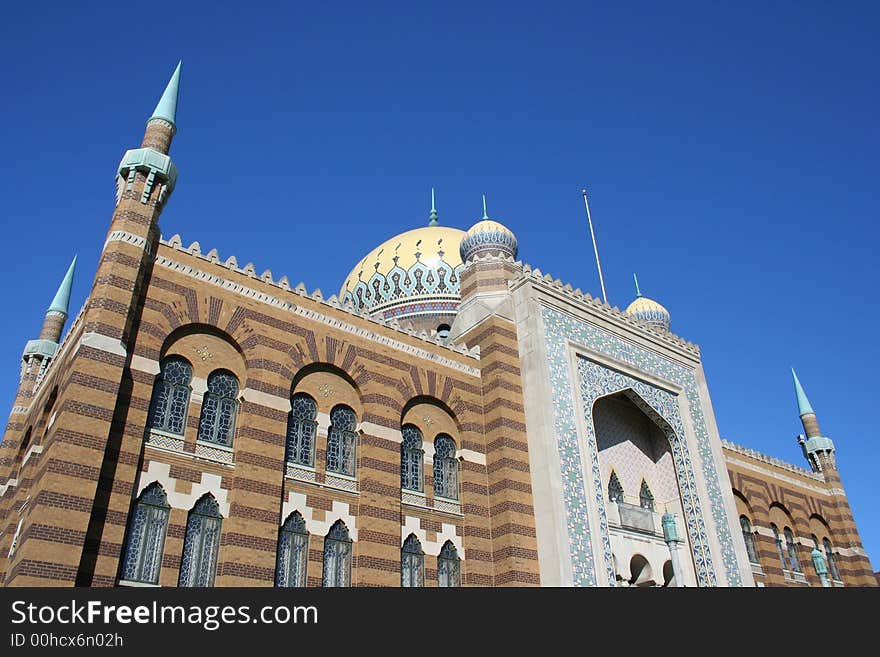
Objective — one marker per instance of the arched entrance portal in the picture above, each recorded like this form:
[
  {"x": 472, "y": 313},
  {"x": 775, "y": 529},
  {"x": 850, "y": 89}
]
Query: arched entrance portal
[{"x": 638, "y": 473}]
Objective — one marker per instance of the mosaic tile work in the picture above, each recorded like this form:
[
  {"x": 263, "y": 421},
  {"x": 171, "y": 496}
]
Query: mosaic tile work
[
  {"x": 560, "y": 328},
  {"x": 165, "y": 441},
  {"x": 341, "y": 483},
  {"x": 214, "y": 453},
  {"x": 302, "y": 474}
]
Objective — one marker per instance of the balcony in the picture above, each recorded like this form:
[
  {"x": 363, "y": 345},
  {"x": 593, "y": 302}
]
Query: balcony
[{"x": 633, "y": 517}]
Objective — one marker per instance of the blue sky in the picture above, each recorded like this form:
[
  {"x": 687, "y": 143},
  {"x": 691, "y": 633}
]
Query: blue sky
[{"x": 731, "y": 154}]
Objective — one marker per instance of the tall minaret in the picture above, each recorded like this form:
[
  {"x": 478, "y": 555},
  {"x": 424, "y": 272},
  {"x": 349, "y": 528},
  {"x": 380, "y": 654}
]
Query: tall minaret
[
  {"x": 818, "y": 449},
  {"x": 39, "y": 353}
]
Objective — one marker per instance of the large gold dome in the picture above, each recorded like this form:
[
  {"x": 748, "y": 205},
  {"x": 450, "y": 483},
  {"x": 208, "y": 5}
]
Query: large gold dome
[{"x": 412, "y": 276}]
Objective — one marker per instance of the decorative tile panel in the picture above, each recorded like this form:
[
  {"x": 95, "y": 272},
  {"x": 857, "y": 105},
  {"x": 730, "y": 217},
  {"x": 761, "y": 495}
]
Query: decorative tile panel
[
  {"x": 341, "y": 483},
  {"x": 302, "y": 474},
  {"x": 596, "y": 381},
  {"x": 214, "y": 453},
  {"x": 165, "y": 441}
]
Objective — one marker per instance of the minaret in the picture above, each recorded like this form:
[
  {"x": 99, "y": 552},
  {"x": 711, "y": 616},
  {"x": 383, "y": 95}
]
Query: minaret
[
  {"x": 818, "y": 449},
  {"x": 39, "y": 353}
]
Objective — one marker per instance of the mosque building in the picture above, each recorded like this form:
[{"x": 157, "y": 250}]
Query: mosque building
[{"x": 452, "y": 417}]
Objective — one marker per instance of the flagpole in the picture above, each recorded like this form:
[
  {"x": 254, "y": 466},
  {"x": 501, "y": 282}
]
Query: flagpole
[{"x": 595, "y": 247}]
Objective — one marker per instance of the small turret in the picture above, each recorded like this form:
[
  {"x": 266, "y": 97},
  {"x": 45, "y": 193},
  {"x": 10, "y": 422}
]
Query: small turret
[{"x": 818, "y": 449}]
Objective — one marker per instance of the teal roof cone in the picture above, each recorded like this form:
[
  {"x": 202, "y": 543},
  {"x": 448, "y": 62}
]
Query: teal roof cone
[
  {"x": 61, "y": 302},
  {"x": 167, "y": 107},
  {"x": 638, "y": 291},
  {"x": 433, "y": 216},
  {"x": 485, "y": 214},
  {"x": 804, "y": 407}
]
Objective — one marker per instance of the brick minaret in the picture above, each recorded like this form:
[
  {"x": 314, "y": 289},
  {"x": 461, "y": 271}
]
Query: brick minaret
[
  {"x": 89, "y": 458},
  {"x": 819, "y": 451},
  {"x": 486, "y": 318}
]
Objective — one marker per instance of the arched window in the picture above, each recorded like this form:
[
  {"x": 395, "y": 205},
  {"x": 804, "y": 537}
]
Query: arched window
[
  {"x": 749, "y": 538},
  {"x": 445, "y": 468},
  {"x": 341, "y": 441},
  {"x": 792, "y": 551},
  {"x": 145, "y": 542},
  {"x": 411, "y": 458},
  {"x": 219, "y": 407},
  {"x": 615, "y": 490},
  {"x": 448, "y": 566},
  {"x": 199, "y": 563},
  {"x": 293, "y": 552},
  {"x": 412, "y": 563},
  {"x": 779, "y": 548},
  {"x": 831, "y": 559},
  {"x": 170, "y": 402},
  {"x": 337, "y": 556},
  {"x": 646, "y": 499},
  {"x": 301, "y": 429}
]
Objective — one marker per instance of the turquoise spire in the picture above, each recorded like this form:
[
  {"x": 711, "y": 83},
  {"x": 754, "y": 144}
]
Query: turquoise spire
[
  {"x": 638, "y": 291},
  {"x": 167, "y": 107},
  {"x": 433, "y": 215},
  {"x": 485, "y": 214},
  {"x": 61, "y": 302},
  {"x": 803, "y": 403}
]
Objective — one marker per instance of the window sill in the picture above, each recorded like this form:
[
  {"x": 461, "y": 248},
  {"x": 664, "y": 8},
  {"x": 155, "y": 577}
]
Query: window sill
[{"x": 144, "y": 585}]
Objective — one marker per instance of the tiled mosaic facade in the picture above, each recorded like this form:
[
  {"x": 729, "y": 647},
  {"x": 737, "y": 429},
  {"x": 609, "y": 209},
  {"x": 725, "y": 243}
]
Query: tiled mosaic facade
[{"x": 596, "y": 381}]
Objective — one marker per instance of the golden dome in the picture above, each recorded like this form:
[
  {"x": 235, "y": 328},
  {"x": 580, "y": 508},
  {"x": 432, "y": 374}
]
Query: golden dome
[
  {"x": 488, "y": 236},
  {"x": 412, "y": 275},
  {"x": 650, "y": 311}
]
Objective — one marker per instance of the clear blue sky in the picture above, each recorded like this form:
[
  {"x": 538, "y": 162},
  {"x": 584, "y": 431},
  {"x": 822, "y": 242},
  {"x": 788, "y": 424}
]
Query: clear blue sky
[{"x": 731, "y": 152}]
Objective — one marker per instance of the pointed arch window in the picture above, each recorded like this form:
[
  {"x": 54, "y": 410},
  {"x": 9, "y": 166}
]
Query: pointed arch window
[
  {"x": 219, "y": 408},
  {"x": 301, "y": 429},
  {"x": 145, "y": 542},
  {"x": 793, "y": 559},
  {"x": 170, "y": 403},
  {"x": 412, "y": 563},
  {"x": 337, "y": 556},
  {"x": 411, "y": 459},
  {"x": 293, "y": 552},
  {"x": 198, "y": 566},
  {"x": 646, "y": 498},
  {"x": 342, "y": 441},
  {"x": 779, "y": 549},
  {"x": 445, "y": 468},
  {"x": 749, "y": 538},
  {"x": 831, "y": 559},
  {"x": 615, "y": 490},
  {"x": 448, "y": 566}
]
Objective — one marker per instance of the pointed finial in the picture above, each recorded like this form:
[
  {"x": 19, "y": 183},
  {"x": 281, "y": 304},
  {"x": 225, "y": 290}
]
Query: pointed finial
[
  {"x": 61, "y": 302},
  {"x": 433, "y": 216},
  {"x": 167, "y": 107},
  {"x": 638, "y": 291},
  {"x": 804, "y": 406},
  {"x": 485, "y": 214}
]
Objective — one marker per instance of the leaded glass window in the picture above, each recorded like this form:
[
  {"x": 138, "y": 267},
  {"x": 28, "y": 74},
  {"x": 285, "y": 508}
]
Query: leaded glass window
[
  {"x": 792, "y": 551},
  {"x": 779, "y": 547},
  {"x": 615, "y": 490},
  {"x": 145, "y": 542},
  {"x": 749, "y": 538},
  {"x": 293, "y": 552},
  {"x": 448, "y": 566},
  {"x": 301, "y": 429},
  {"x": 170, "y": 403},
  {"x": 337, "y": 556},
  {"x": 646, "y": 498},
  {"x": 831, "y": 559},
  {"x": 219, "y": 407},
  {"x": 411, "y": 459},
  {"x": 198, "y": 565},
  {"x": 445, "y": 468},
  {"x": 341, "y": 441},
  {"x": 412, "y": 563}
]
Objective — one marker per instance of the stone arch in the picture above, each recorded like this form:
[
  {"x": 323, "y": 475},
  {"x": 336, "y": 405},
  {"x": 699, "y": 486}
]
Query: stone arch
[
  {"x": 743, "y": 507},
  {"x": 820, "y": 527},
  {"x": 454, "y": 428},
  {"x": 641, "y": 573},
  {"x": 329, "y": 386},
  {"x": 207, "y": 349}
]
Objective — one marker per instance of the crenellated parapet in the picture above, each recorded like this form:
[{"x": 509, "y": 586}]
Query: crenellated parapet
[{"x": 344, "y": 305}]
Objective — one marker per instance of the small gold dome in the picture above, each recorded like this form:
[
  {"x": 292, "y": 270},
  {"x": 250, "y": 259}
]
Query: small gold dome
[
  {"x": 488, "y": 236},
  {"x": 650, "y": 311}
]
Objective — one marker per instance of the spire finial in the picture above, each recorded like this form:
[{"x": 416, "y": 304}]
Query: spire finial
[
  {"x": 804, "y": 406},
  {"x": 433, "y": 216},
  {"x": 485, "y": 214},
  {"x": 638, "y": 291},
  {"x": 61, "y": 302},
  {"x": 167, "y": 107}
]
